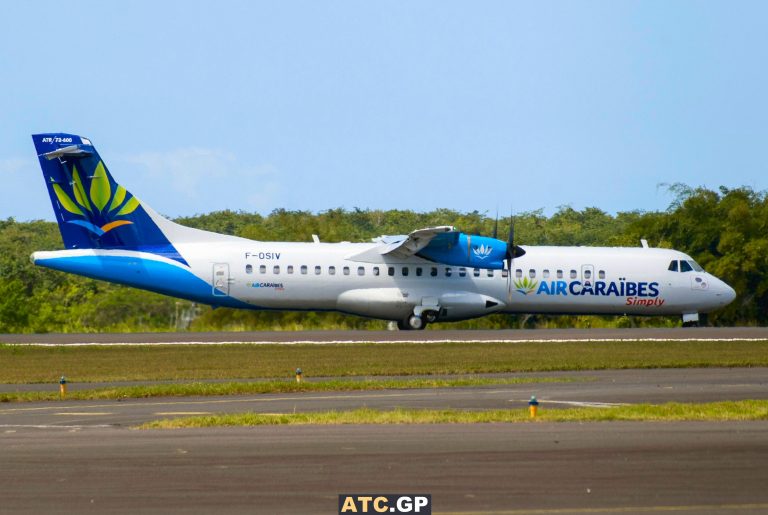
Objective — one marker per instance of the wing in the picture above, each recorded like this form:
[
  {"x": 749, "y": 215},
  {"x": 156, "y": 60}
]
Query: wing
[{"x": 404, "y": 246}]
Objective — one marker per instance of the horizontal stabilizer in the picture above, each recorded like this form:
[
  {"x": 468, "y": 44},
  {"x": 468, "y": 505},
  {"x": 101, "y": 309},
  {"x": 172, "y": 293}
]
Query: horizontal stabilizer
[{"x": 71, "y": 151}]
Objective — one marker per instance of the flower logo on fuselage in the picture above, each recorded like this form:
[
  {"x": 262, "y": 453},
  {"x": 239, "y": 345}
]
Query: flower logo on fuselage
[
  {"x": 99, "y": 206},
  {"x": 482, "y": 251}
]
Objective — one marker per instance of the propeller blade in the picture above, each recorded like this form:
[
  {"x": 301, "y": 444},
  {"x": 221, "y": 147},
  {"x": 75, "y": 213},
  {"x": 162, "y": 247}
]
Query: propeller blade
[
  {"x": 496, "y": 226},
  {"x": 510, "y": 255},
  {"x": 511, "y": 242}
]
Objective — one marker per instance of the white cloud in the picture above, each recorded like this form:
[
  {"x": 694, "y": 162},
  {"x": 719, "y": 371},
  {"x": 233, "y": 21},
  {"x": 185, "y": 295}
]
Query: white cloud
[
  {"x": 15, "y": 165},
  {"x": 23, "y": 195},
  {"x": 211, "y": 179}
]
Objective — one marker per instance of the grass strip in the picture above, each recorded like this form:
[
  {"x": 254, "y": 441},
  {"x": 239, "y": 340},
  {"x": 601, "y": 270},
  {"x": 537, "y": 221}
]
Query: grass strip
[
  {"x": 27, "y": 364},
  {"x": 714, "y": 411},
  {"x": 264, "y": 387}
]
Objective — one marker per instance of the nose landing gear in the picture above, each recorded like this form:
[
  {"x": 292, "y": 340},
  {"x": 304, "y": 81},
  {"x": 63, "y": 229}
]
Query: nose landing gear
[{"x": 690, "y": 319}]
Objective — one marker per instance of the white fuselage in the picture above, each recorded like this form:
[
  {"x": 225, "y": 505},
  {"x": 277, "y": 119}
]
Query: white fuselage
[{"x": 320, "y": 276}]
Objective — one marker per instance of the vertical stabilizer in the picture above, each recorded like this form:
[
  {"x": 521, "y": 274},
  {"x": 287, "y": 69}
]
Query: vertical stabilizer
[{"x": 92, "y": 210}]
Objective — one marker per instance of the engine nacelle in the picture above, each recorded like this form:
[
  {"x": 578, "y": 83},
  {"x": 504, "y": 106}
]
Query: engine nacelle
[
  {"x": 463, "y": 305},
  {"x": 467, "y": 250}
]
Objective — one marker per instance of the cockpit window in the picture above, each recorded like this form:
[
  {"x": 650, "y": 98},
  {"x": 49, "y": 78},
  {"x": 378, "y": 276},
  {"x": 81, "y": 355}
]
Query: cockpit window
[
  {"x": 685, "y": 267},
  {"x": 673, "y": 266},
  {"x": 695, "y": 265}
]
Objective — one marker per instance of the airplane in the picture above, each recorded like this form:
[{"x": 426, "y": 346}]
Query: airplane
[{"x": 435, "y": 274}]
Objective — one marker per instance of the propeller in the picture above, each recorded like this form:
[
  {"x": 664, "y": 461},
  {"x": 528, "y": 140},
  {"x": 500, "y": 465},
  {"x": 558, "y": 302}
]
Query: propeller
[
  {"x": 496, "y": 226},
  {"x": 513, "y": 251}
]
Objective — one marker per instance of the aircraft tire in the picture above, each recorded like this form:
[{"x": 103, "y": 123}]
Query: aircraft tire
[{"x": 412, "y": 323}]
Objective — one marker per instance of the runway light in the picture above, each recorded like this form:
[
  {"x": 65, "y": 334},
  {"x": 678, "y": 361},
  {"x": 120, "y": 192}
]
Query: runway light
[
  {"x": 533, "y": 406},
  {"x": 63, "y": 387},
  {"x": 298, "y": 375}
]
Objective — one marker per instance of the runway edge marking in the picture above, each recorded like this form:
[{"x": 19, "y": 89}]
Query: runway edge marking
[{"x": 337, "y": 342}]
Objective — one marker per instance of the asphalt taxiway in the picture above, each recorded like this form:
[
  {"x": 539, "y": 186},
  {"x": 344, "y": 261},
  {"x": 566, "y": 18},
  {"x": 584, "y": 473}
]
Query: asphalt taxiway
[{"x": 590, "y": 388}]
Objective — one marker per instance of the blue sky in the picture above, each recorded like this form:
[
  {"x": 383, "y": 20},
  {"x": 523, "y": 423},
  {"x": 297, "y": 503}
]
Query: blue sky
[{"x": 201, "y": 106}]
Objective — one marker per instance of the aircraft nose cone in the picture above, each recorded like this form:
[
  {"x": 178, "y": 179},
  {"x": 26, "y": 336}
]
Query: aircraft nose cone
[{"x": 723, "y": 292}]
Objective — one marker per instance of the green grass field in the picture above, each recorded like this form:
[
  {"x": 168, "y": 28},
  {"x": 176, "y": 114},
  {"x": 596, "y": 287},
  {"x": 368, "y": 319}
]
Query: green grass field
[
  {"x": 27, "y": 364},
  {"x": 715, "y": 411}
]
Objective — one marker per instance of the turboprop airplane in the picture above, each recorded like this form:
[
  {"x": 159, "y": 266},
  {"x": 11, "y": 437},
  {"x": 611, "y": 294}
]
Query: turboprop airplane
[{"x": 433, "y": 274}]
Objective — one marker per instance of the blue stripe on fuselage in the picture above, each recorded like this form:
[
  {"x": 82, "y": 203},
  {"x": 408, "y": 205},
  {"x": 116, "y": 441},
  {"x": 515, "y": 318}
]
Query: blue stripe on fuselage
[{"x": 147, "y": 274}]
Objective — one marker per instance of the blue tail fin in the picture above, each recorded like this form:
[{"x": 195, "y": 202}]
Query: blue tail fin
[{"x": 92, "y": 210}]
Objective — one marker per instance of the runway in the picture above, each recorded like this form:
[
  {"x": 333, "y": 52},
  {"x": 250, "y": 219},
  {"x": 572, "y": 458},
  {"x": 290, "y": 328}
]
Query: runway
[
  {"x": 448, "y": 335},
  {"x": 701, "y": 468},
  {"x": 82, "y": 457}
]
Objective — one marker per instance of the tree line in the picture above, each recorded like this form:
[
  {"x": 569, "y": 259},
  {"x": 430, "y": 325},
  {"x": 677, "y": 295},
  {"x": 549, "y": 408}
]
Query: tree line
[{"x": 724, "y": 230}]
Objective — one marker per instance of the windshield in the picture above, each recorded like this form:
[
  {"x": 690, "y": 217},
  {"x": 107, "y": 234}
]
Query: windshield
[{"x": 686, "y": 265}]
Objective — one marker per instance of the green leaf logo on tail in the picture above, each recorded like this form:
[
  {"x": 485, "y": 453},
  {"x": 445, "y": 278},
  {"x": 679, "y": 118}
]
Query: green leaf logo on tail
[{"x": 93, "y": 204}]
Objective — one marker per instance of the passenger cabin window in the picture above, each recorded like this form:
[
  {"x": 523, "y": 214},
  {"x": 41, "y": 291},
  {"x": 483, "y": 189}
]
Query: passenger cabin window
[
  {"x": 601, "y": 274},
  {"x": 419, "y": 271},
  {"x": 318, "y": 270},
  {"x": 490, "y": 273},
  {"x": 331, "y": 270},
  {"x": 433, "y": 271},
  {"x": 476, "y": 272},
  {"x": 248, "y": 269},
  {"x": 289, "y": 269},
  {"x": 531, "y": 273},
  {"x": 685, "y": 267},
  {"x": 375, "y": 270},
  {"x": 276, "y": 269},
  {"x": 518, "y": 273},
  {"x": 545, "y": 274},
  {"x": 672, "y": 266},
  {"x": 346, "y": 270},
  {"x": 505, "y": 273},
  {"x": 587, "y": 274},
  {"x": 361, "y": 270},
  {"x": 391, "y": 271},
  {"x": 462, "y": 272},
  {"x": 559, "y": 274},
  {"x": 448, "y": 272},
  {"x": 573, "y": 274},
  {"x": 262, "y": 269},
  {"x": 405, "y": 271},
  {"x": 303, "y": 269}
]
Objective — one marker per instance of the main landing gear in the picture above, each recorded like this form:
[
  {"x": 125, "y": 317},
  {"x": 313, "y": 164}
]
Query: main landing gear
[{"x": 416, "y": 322}]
